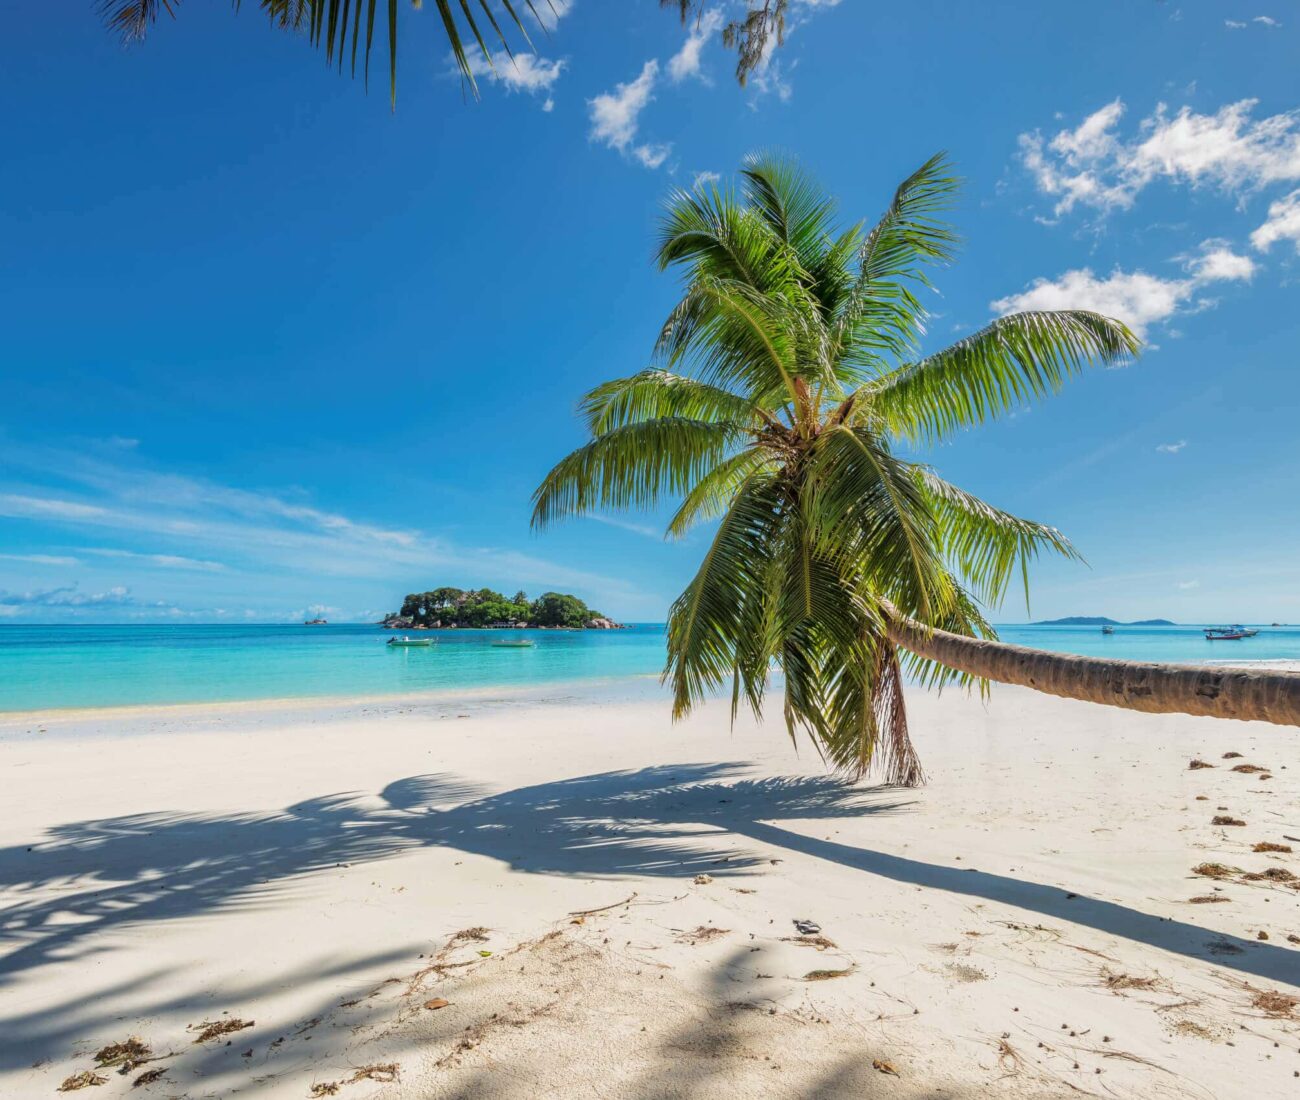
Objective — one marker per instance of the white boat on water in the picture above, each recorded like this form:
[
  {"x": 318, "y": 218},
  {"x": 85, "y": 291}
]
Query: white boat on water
[{"x": 412, "y": 642}]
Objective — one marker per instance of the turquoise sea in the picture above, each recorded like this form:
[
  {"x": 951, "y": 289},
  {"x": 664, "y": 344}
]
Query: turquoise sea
[{"x": 97, "y": 666}]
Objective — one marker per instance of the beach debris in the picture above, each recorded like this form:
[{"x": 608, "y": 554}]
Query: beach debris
[
  {"x": 126, "y": 1055},
  {"x": 966, "y": 973},
  {"x": 149, "y": 1076},
  {"x": 702, "y": 880},
  {"x": 703, "y": 934},
  {"x": 324, "y": 1088},
  {"x": 819, "y": 942},
  {"x": 385, "y": 1073},
  {"x": 1215, "y": 870},
  {"x": 827, "y": 975},
  {"x": 1195, "y": 765},
  {"x": 1119, "y": 982},
  {"x": 1273, "y": 874},
  {"x": 1269, "y": 846},
  {"x": 485, "y": 954},
  {"x": 1207, "y": 899},
  {"x": 1261, "y": 935},
  {"x": 1272, "y": 1002},
  {"x": 214, "y": 1029},
  {"x": 881, "y": 1066},
  {"x": 807, "y": 927},
  {"x": 83, "y": 1080},
  {"x": 1249, "y": 769},
  {"x": 478, "y": 933},
  {"x": 601, "y": 909},
  {"x": 436, "y": 1002},
  {"x": 1232, "y": 756},
  {"x": 1224, "y": 819}
]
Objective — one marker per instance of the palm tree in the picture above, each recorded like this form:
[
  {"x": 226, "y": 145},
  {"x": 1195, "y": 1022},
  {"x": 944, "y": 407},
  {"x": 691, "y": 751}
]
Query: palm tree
[
  {"x": 786, "y": 382},
  {"x": 468, "y": 25}
]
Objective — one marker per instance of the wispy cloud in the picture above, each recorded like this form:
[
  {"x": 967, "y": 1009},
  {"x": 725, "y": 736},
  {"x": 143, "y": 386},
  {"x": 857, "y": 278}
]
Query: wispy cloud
[
  {"x": 1171, "y": 448},
  {"x": 626, "y": 525},
  {"x": 166, "y": 561},
  {"x": 41, "y": 559},
  {"x": 1137, "y": 298},
  {"x": 705, "y": 179},
  {"x": 615, "y": 118},
  {"x": 261, "y": 541},
  {"x": 525, "y": 72},
  {"x": 1283, "y": 223},
  {"x": 686, "y": 61},
  {"x": 1186, "y": 585}
]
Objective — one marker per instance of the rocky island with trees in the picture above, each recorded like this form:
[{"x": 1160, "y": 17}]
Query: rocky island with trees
[{"x": 448, "y": 608}]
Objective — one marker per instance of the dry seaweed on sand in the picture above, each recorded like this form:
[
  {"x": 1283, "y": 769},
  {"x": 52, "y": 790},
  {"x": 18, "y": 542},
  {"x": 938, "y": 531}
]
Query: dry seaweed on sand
[
  {"x": 881, "y": 1066},
  {"x": 1269, "y": 846},
  {"x": 128, "y": 1055},
  {"x": 1224, "y": 819},
  {"x": 1197, "y": 764},
  {"x": 1207, "y": 899},
  {"x": 214, "y": 1029},
  {"x": 476, "y": 934},
  {"x": 384, "y": 1073},
  {"x": 1273, "y": 874},
  {"x": 1273, "y": 1002},
  {"x": 324, "y": 1088},
  {"x": 1249, "y": 769},
  {"x": 819, "y": 942},
  {"x": 83, "y": 1080},
  {"x": 149, "y": 1076},
  {"x": 827, "y": 975},
  {"x": 1232, "y": 756},
  {"x": 1117, "y": 982},
  {"x": 1215, "y": 870}
]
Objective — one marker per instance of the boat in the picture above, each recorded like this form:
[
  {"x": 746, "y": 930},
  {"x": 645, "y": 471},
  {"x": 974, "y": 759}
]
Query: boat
[
  {"x": 412, "y": 642},
  {"x": 1224, "y": 633},
  {"x": 1108, "y": 630},
  {"x": 316, "y": 622},
  {"x": 515, "y": 643}
]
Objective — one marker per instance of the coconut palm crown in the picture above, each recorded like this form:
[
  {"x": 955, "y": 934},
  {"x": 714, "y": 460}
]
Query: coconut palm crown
[{"x": 785, "y": 383}]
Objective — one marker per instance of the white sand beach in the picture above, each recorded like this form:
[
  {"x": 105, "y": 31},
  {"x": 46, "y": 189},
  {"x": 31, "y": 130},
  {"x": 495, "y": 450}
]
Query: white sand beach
[{"x": 605, "y": 902}]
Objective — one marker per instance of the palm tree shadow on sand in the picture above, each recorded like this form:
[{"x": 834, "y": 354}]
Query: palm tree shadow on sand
[{"x": 669, "y": 821}]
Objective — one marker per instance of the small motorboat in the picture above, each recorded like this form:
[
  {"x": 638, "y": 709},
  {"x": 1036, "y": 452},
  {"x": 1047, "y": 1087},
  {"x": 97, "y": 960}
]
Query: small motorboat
[
  {"x": 1108, "y": 630},
  {"x": 412, "y": 642},
  {"x": 515, "y": 643},
  {"x": 1224, "y": 634}
]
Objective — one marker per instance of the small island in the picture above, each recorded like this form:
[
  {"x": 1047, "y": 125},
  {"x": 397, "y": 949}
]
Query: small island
[
  {"x": 451, "y": 608},
  {"x": 1100, "y": 620}
]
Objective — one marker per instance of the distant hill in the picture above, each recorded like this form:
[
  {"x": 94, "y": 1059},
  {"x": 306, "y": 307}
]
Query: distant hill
[{"x": 1099, "y": 620}]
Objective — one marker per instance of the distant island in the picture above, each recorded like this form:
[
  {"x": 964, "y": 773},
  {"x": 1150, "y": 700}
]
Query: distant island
[
  {"x": 1099, "y": 620},
  {"x": 449, "y": 608}
]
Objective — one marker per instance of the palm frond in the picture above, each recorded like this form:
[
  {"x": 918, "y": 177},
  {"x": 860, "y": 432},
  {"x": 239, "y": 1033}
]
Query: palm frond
[
  {"x": 657, "y": 393},
  {"x": 713, "y": 493},
  {"x": 790, "y": 201},
  {"x": 1000, "y": 368},
  {"x": 634, "y": 465},
  {"x": 987, "y": 544}
]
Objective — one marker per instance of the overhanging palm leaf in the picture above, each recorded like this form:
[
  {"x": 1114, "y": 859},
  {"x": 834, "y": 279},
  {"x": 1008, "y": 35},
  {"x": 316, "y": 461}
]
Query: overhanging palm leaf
[{"x": 794, "y": 379}]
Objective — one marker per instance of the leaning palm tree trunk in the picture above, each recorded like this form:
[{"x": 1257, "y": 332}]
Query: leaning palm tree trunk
[{"x": 1258, "y": 695}]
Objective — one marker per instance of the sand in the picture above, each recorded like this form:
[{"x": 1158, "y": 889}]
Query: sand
[{"x": 330, "y": 875}]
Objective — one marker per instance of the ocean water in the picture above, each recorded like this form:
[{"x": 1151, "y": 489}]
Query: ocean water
[{"x": 99, "y": 666}]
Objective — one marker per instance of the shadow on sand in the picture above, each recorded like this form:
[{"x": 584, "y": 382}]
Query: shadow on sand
[{"x": 661, "y": 821}]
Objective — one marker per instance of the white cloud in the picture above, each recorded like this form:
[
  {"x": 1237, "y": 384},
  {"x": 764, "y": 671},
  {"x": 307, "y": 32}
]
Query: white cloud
[
  {"x": 41, "y": 559},
  {"x": 525, "y": 72},
  {"x": 1267, "y": 20},
  {"x": 1171, "y": 448},
  {"x": 549, "y": 12},
  {"x": 1137, "y": 298},
  {"x": 1283, "y": 223},
  {"x": 1186, "y": 585},
  {"x": 686, "y": 61},
  {"x": 615, "y": 117},
  {"x": 705, "y": 179},
  {"x": 1092, "y": 165},
  {"x": 1234, "y": 24},
  {"x": 167, "y": 561}
]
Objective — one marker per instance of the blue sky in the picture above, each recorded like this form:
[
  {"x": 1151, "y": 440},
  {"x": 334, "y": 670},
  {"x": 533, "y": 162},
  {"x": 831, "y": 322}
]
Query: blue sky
[{"x": 271, "y": 348}]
